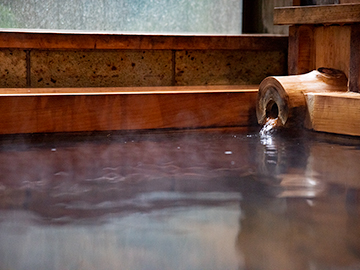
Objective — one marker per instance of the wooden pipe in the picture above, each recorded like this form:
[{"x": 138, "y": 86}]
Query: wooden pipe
[{"x": 282, "y": 97}]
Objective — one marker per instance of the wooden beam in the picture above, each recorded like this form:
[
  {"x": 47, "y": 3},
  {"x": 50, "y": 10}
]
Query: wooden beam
[
  {"x": 328, "y": 14},
  {"x": 337, "y": 112},
  {"x": 30, "y": 110},
  {"x": 349, "y": 1},
  {"x": 37, "y": 39}
]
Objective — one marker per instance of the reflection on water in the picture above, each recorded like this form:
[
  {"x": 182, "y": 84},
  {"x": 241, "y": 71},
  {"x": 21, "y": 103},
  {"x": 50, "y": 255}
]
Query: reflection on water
[{"x": 180, "y": 200}]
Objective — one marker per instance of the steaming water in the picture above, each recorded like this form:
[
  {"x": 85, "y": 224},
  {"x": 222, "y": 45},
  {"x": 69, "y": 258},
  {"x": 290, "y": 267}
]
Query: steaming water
[{"x": 185, "y": 200}]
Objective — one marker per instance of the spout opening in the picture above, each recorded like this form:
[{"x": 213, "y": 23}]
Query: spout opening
[
  {"x": 272, "y": 110},
  {"x": 272, "y": 102}
]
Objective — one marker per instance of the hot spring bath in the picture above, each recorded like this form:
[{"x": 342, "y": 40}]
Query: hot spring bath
[{"x": 215, "y": 199}]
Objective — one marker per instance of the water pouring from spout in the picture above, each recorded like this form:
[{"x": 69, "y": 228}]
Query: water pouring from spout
[{"x": 268, "y": 127}]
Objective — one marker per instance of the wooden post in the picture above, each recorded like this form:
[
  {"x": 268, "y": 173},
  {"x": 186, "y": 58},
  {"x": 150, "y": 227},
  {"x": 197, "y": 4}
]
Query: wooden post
[
  {"x": 301, "y": 49},
  {"x": 354, "y": 72},
  {"x": 323, "y": 36},
  {"x": 320, "y": 36},
  {"x": 252, "y": 18}
]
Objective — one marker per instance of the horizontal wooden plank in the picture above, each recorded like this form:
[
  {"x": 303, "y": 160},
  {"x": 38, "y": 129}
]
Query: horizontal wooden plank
[
  {"x": 337, "y": 112},
  {"x": 152, "y": 108},
  {"x": 326, "y": 14},
  {"x": 349, "y": 1},
  {"x": 39, "y": 39},
  {"x": 126, "y": 90}
]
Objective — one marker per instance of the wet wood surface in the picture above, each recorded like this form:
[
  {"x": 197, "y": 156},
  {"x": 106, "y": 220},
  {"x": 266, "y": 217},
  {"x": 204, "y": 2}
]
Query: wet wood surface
[
  {"x": 334, "y": 112},
  {"x": 41, "y": 39},
  {"x": 287, "y": 92},
  {"x": 30, "y": 110}
]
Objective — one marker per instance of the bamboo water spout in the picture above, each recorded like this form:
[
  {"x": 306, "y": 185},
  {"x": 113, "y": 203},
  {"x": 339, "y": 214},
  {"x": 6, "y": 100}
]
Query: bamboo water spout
[{"x": 283, "y": 97}]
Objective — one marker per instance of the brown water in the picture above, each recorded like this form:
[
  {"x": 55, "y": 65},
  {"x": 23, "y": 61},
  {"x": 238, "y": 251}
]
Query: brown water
[{"x": 180, "y": 200}]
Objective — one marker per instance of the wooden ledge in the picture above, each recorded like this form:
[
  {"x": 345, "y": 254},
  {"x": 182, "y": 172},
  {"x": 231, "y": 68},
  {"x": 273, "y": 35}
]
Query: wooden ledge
[
  {"x": 51, "y": 110},
  {"x": 40, "y": 39},
  {"x": 153, "y": 90},
  {"x": 326, "y": 14}
]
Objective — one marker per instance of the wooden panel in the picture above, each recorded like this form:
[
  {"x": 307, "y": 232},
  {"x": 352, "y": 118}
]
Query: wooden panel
[
  {"x": 328, "y": 14},
  {"x": 334, "y": 112},
  {"x": 37, "y": 39},
  {"x": 59, "y": 110},
  {"x": 301, "y": 58},
  {"x": 332, "y": 47},
  {"x": 312, "y": 47}
]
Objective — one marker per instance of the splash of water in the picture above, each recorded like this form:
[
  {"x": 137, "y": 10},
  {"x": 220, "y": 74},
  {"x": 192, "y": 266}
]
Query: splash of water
[{"x": 269, "y": 126}]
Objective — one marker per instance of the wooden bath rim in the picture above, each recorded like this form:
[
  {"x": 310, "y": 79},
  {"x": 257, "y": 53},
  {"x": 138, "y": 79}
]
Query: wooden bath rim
[{"x": 48, "y": 110}]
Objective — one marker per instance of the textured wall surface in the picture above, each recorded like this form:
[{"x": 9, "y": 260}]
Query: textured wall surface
[
  {"x": 213, "y": 67},
  {"x": 105, "y": 68},
  {"x": 12, "y": 68},
  {"x": 160, "y": 16},
  {"x": 101, "y": 68}
]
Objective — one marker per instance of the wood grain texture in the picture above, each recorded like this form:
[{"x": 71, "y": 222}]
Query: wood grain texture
[
  {"x": 354, "y": 65},
  {"x": 40, "y": 39},
  {"x": 333, "y": 112},
  {"x": 71, "y": 91},
  {"x": 328, "y": 14},
  {"x": 312, "y": 47},
  {"x": 96, "y": 109},
  {"x": 332, "y": 47},
  {"x": 301, "y": 54},
  {"x": 287, "y": 92}
]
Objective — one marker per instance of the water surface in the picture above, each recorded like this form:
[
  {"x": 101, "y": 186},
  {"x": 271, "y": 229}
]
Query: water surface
[{"x": 211, "y": 199}]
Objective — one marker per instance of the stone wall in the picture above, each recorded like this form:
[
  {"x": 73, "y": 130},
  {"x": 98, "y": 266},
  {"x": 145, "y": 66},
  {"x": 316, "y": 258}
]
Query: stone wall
[
  {"x": 109, "y": 60},
  {"x": 70, "y": 68}
]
